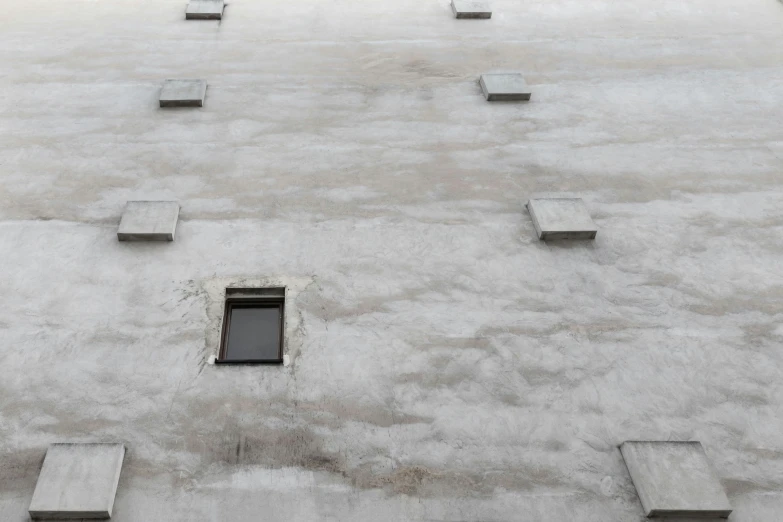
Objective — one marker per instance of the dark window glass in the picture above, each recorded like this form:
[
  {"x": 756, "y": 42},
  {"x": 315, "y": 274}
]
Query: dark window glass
[{"x": 252, "y": 331}]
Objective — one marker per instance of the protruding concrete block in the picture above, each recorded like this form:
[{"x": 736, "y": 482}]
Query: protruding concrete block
[
  {"x": 675, "y": 479},
  {"x": 504, "y": 87},
  {"x": 471, "y": 9},
  {"x": 204, "y": 10},
  {"x": 561, "y": 218},
  {"x": 149, "y": 221},
  {"x": 78, "y": 481},
  {"x": 183, "y": 93}
]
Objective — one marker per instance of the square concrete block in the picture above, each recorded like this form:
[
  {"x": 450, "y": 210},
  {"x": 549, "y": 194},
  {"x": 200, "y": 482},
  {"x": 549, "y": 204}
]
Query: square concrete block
[
  {"x": 471, "y": 9},
  {"x": 149, "y": 221},
  {"x": 504, "y": 87},
  {"x": 675, "y": 479},
  {"x": 183, "y": 93},
  {"x": 78, "y": 481},
  {"x": 561, "y": 218},
  {"x": 204, "y": 10}
]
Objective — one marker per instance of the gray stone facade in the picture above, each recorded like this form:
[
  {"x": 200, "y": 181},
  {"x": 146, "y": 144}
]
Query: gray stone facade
[{"x": 444, "y": 364}]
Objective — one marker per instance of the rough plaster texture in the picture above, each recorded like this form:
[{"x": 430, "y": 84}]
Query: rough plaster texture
[
  {"x": 78, "y": 481},
  {"x": 450, "y": 366},
  {"x": 149, "y": 221},
  {"x": 183, "y": 93},
  {"x": 674, "y": 479},
  {"x": 470, "y": 9},
  {"x": 204, "y": 10},
  {"x": 561, "y": 218},
  {"x": 504, "y": 87}
]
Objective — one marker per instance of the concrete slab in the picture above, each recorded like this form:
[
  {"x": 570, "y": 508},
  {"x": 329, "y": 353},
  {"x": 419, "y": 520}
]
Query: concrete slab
[
  {"x": 183, "y": 93},
  {"x": 149, "y": 221},
  {"x": 561, "y": 218},
  {"x": 504, "y": 87},
  {"x": 675, "y": 479},
  {"x": 204, "y": 10},
  {"x": 471, "y": 9},
  {"x": 78, "y": 481}
]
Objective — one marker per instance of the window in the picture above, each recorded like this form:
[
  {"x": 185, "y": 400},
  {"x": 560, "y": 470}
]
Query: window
[{"x": 253, "y": 326}]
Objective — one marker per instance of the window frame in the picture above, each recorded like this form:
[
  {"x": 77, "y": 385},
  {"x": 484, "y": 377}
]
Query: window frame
[{"x": 252, "y": 302}]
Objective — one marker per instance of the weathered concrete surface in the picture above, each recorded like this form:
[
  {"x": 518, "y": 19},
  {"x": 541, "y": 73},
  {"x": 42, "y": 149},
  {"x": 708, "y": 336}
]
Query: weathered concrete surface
[
  {"x": 204, "y": 10},
  {"x": 561, "y": 218},
  {"x": 183, "y": 93},
  {"x": 149, "y": 221},
  {"x": 78, "y": 481},
  {"x": 674, "y": 479},
  {"x": 447, "y": 365},
  {"x": 471, "y": 9},
  {"x": 504, "y": 87}
]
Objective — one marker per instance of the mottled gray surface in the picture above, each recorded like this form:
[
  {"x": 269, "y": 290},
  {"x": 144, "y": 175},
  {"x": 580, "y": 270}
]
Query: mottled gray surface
[
  {"x": 77, "y": 481},
  {"x": 561, "y": 218},
  {"x": 183, "y": 93},
  {"x": 149, "y": 221},
  {"x": 204, "y": 10},
  {"x": 674, "y": 479},
  {"x": 445, "y": 364},
  {"x": 471, "y": 9},
  {"x": 504, "y": 87}
]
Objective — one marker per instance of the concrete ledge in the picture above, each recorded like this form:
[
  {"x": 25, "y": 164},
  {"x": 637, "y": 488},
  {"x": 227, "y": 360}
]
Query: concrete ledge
[
  {"x": 78, "y": 481},
  {"x": 504, "y": 87},
  {"x": 470, "y": 9},
  {"x": 149, "y": 221},
  {"x": 183, "y": 93},
  {"x": 204, "y": 10},
  {"x": 690, "y": 515},
  {"x": 203, "y": 16},
  {"x": 561, "y": 218},
  {"x": 675, "y": 479}
]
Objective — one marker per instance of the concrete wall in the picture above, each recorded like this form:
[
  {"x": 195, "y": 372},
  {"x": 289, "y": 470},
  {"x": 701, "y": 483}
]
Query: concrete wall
[{"x": 445, "y": 364}]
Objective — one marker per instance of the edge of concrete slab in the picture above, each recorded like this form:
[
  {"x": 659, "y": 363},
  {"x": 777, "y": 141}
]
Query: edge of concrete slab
[
  {"x": 158, "y": 236},
  {"x": 203, "y": 16},
  {"x": 516, "y": 96}
]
